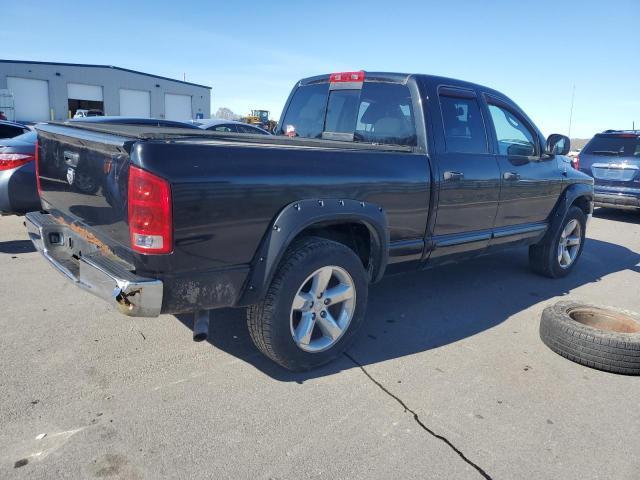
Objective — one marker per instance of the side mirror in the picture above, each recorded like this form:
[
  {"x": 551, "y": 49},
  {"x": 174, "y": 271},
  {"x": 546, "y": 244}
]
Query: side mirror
[{"x": 558, "y": 144}]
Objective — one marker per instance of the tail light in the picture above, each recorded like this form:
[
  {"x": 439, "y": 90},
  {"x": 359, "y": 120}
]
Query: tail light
[
  {"x": 575, "y": 162},
  {"x": 37, "y": 155},
  {"x": 14, "y": 160},
  {"x": 150, "y": 219},
  {"x": 344, "y": 77}
]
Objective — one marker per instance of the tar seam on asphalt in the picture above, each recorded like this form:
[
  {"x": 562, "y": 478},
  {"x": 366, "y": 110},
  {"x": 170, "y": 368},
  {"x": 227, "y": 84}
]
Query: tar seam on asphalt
[{"x": 418, "y": 421}]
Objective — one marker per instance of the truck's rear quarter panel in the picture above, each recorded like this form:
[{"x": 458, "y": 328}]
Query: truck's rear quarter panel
[{"x": 226, "y": 195}]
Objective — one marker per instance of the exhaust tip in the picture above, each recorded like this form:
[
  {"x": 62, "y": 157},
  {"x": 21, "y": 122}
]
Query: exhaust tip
[
  {"x": 199, "y": 337},
  {"x": 200, "y": 325}
]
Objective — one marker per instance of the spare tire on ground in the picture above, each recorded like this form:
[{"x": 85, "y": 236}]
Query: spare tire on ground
[{"x": 604, "y": 338}]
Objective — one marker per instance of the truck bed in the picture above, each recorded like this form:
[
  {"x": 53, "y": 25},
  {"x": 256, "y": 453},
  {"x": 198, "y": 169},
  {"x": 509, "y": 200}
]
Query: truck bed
[{"x": 227, "y": 190}]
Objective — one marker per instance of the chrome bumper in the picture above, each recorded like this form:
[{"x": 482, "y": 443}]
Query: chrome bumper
[
  {"x": 102, "y": 275},
  {"x": 620, "y": 200}
]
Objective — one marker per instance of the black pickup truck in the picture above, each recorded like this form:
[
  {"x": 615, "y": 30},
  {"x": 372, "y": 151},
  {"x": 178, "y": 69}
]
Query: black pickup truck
[{"x": 369, "y": 173}]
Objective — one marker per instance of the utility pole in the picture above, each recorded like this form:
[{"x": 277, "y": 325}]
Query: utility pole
[{"x": 573, "y": 95}]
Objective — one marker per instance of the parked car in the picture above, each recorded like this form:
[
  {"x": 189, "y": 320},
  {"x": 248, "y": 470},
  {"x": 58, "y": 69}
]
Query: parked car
[
  {"x": 12, "y": 129},
  {"x": 18, "y": 193},
  {"x": 222, "y": 125},
  {"x": 82, "y": 113},
  {"x": 383, "y": 173},
  {"x": 612, "y": 158},
  {"x": 152, "y": 122}
]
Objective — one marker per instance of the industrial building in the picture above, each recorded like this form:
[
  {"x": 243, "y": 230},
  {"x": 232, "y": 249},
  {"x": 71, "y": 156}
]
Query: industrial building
[{"x": 40, "y": 91}]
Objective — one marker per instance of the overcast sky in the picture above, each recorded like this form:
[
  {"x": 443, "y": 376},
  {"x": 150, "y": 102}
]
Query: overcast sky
[{"x": 252, "y": 52}]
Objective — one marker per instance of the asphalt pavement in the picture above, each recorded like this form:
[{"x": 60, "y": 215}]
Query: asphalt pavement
[{"x": 449, "y": 379}]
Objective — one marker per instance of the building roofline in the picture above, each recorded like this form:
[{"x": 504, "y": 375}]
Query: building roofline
[{"x": 105, "y": 66}]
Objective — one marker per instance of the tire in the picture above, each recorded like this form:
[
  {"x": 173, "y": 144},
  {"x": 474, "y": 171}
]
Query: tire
[
  {"x": 595, "y": 347},
  {"x": 272, "y": 323},
  {"x": 544, "y": 256}
]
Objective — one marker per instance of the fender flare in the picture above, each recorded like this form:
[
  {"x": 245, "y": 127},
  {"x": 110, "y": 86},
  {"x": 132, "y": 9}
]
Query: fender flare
[
  {"x": 567, "y": 198},
  {"x": 296, "y": 217}
]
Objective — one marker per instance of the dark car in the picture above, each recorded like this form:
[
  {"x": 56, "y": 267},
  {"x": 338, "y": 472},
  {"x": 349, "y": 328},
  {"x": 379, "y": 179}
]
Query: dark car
[
  {"x": 612, "y": 158},
  {"x": 18, "y": 193},
  {"x": 229, "y": 126},
  {"x": 11, "y": 129},
  {"x": 154, "y": 122},
  {"x": 371, "y": 173}
]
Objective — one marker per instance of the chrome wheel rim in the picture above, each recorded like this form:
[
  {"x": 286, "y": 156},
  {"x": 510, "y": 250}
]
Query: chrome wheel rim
[
  {"x": 569, "y": 245},
  {"x": 322, "y": 309}
]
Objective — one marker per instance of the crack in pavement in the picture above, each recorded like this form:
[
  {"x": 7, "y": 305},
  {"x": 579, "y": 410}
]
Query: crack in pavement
[{"x": 418, "y": 421}]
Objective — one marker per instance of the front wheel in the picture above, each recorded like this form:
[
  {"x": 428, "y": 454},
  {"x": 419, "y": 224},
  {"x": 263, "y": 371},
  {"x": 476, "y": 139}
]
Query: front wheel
[
  {"x": 557, "y": 255},
  {"x": 313, "y": 307}
]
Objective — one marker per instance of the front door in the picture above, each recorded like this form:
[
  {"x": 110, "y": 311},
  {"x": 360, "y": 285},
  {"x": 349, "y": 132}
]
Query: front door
[
  {"x": 467, "y": 176},
  {"x": 531, "y": 180}
]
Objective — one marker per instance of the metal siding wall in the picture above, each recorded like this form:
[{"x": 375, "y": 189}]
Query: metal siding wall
[{"x": 112, "y": 80}]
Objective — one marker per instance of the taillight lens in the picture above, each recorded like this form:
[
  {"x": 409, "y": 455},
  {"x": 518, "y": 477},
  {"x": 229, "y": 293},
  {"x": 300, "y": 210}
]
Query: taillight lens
[
  {"x": 575, "y": 162},
  {"x": 150, "y": 220},
  {"x": 14, "y": 160}
]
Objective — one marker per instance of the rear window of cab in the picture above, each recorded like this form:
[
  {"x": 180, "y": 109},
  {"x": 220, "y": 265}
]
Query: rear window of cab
[{"x": 378, "y": 113}]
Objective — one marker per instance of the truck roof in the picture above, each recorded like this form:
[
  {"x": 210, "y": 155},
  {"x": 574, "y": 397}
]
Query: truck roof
[{"x": 398, "y": 77}]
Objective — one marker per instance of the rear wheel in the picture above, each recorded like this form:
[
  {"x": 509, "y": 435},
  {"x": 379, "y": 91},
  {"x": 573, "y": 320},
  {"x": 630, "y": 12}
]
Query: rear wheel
[
  {"x": 559, "y": 252},
  {"x": 313, "y": 307}
]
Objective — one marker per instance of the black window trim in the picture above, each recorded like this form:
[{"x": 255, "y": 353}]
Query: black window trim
[
  {"x": 500, "y": 103},
  {"x": 455, "y": 91}
]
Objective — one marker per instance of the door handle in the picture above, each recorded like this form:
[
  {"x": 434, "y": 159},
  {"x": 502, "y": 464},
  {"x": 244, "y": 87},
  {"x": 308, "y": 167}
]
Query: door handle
[
  {"x": 511, "y": 176},
  {"x": 450, "y": 176}
]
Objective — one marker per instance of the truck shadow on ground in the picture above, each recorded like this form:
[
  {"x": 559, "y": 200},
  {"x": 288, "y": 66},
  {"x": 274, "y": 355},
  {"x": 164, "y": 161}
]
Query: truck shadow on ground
[
  {"x": 617, "y": 215},
  {"x": 423, "y": 310},
  {"x": 17, "y": 246}
]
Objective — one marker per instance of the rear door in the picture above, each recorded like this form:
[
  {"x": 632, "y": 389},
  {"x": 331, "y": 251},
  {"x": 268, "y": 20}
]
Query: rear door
[
  {"x": 467, "y": 174},
  {"x": 531, "y": 182},
  {"x": 384, "y": 111}
]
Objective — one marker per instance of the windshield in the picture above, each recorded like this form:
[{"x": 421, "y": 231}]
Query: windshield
[{"x": 614, "y": 145}]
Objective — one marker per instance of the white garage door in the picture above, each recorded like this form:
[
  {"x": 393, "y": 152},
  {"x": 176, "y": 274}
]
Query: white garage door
[
  {"x": 177, "y": 107},
  {"x": 80, "y": 91},
  {"x": 31, "y": 98},
  {"x": 135, "y": 103}
]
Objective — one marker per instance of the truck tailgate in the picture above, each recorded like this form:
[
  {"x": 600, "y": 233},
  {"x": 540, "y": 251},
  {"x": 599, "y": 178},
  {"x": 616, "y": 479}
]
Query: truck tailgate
[{"x": 83, "y": 178}]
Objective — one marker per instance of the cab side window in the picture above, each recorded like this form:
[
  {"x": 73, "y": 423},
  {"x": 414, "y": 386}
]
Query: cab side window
[
  {"x": 515, "y": 138},
  {"x": 464, "y": 129}
]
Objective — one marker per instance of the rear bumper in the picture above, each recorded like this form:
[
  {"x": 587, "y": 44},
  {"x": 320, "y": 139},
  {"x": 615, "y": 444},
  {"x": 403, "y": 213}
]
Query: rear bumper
[
  {"x": 102, "y": 275},
  {"x": 617, "y": 199}
]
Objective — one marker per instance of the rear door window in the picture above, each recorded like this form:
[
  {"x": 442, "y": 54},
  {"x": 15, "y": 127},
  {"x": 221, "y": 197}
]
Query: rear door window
[{"x": 464, "y": 128}]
